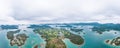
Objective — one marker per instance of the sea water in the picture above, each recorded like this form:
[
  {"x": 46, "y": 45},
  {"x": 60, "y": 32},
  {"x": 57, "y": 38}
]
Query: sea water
[{"x": 92, "y": 40}]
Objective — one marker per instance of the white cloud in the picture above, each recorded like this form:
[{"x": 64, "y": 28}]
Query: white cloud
[{"x": 47, "y": 11}]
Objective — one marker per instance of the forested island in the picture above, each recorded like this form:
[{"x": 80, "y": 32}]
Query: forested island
[
  {"x": 76, "y": 30},
  {"x": 38, "y": 26},
  {"x": 18, "y": 39},
  {"x": 54, "y": 37},
  {"x": 106, "y": 27},
  {"x": 114, "y": 42}
]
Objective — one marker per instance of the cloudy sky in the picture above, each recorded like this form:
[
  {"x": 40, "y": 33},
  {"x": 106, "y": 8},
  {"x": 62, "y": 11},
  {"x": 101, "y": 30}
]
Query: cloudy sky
[{"x": 59, "y": 11}]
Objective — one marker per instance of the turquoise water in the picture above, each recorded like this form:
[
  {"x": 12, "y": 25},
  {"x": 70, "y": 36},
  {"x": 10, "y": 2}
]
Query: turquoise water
[
  {"x": 34, "y": 39},
  {"x": 69, "y": 44},
  {"x": 92, "y": 40},
  {"x": 4, "y": 43},
  {"x": 95, "y": 40}
]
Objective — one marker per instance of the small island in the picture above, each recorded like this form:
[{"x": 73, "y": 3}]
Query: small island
[
  {"x": 54, "y": 37},
  {"x": 114, "y": 42},
  {"x": 101, "y": 28},
  {"x": 10, "y": 34},
  {"x": 18, "y": 39},
  {"x": 76, "y": 30}
]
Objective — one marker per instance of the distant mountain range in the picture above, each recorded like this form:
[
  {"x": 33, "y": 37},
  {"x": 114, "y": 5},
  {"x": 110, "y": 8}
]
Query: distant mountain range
[{"x": 96, "y": 26}]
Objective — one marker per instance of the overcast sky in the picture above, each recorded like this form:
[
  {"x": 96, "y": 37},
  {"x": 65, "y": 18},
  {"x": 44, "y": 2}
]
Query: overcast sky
[{"x": 59, "y": 11}]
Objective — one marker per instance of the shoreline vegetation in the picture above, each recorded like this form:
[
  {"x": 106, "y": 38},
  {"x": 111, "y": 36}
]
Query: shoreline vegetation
[
  {"x": 54, "y": 37},
  {"x": 18, "y": 39},
  {"x": 114, "y": 42},
  {"x": 101, "y": 28}
]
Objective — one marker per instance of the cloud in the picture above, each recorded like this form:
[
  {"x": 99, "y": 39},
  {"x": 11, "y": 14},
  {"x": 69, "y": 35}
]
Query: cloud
[{"x": 52, "y": 11}]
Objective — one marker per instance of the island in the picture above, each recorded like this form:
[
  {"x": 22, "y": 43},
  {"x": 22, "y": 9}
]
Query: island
[
  {"x": 76, "y": 30},
  {"x": 16, "y": 39},
  {"x": 54, "y": 37},
  {"x": 114, "y": 42},
  {"x": 100, "y": 28},
  {"x": 10, "y": 34}
]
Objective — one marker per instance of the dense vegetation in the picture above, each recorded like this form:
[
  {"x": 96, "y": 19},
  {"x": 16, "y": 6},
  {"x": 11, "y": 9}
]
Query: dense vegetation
[
  {"x": 18, "y": 39},
  {"x": 115, "y": 41},
  {"x": 106, "y": 27},
  {"x": 76, "y": 29},
  {"x": 54, "y": 37},
  {"x": 10, "y": 34},
  {"x": 39, "y": 26}
]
